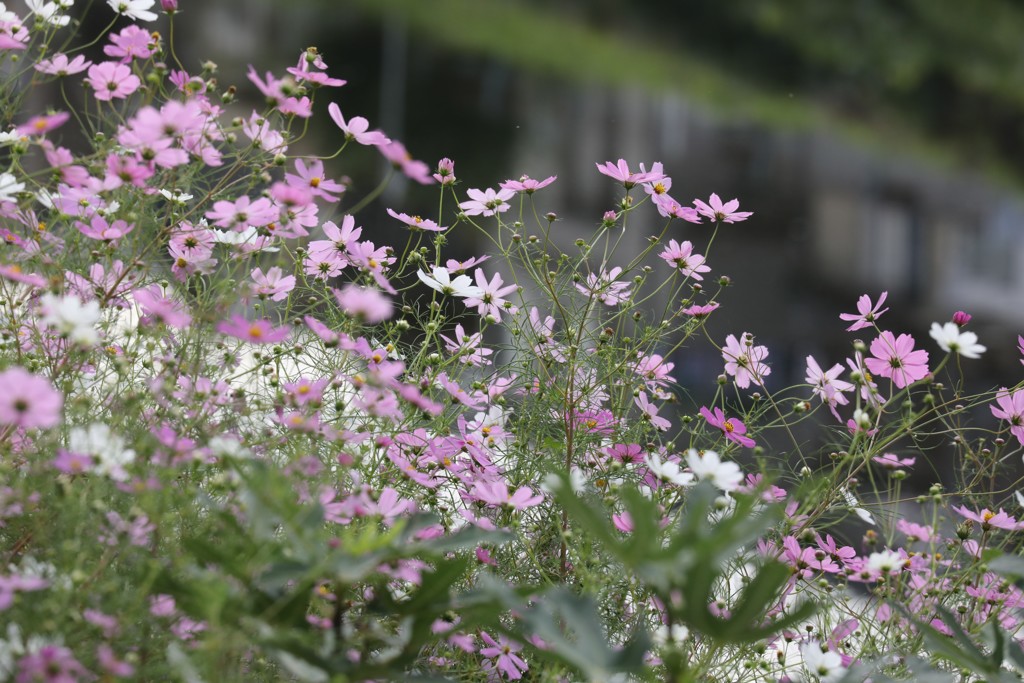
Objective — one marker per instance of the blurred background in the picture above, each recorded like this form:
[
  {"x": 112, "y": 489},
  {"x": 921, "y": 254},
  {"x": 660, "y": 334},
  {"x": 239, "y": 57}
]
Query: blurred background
[{"x": 878, "y": 142}]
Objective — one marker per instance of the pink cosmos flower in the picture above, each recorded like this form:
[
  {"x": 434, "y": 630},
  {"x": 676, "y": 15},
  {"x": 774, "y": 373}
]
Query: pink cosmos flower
[
  {"x": 866, "y": 314},
  {"x": 1011, "y": 409},
  {"x": 733, "y": 429},
  {"x": 527, "y": 185},
  {"x": 670, "y": 208},
  {"x": 414, "y": 169},
  {"x": 256, "y": 332},
  {"x": 896, "y": 359},
  {"x": 112, "y": 80},
  {"x": 654, "y": 369},
  {"x": 364, "y": 303},
  {"x": 416, "y": 222},
  {"x": 892, "y": 461},
  {"x": 620, "y": 171},
  {"x": 700, "y": 312},
  {"x": 302, "y": 71},
  {"x": 445, "y": 172},
  {"x": 915, "y": 532},
  {"x": 723, "y": 213},
  {"x": 156, "y": 307},
  {"x": 466, "y": 347},
  {"x": 650, "y": 412},
  {"x": 311, "y": 176},
  {"x": 133, "y": 42},
  {"x": 243, "y": 212},
  {"x": 491, "y": 301},
  {"x": 28, "y": 401},
  {"x": 58, "y": 65},
  {"x": 99, "y": 229},
  {"x": 744, "y": 361},
  {"x": 826, "y": 385},
  {"x": 991, "y": 520},
  {"x": 53, "y": 663},
  {"x": 486, "y": 202},
  {"x": 495, "y": 492},
  {"x": 38, "y": 125},
  {"x": 681, "y": 256},
  {"x": 508, "y": 662},
  {"x": 357, "y": 128},
  {"x": 273, "y": 284},
  {"x": 606, "y": 288}
]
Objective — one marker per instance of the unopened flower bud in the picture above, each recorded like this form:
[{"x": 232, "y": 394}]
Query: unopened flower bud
[
  {"x": 551, "y": 216},
  {"x": 169, "y": 6},
  {"x": 961, "y": 318}
]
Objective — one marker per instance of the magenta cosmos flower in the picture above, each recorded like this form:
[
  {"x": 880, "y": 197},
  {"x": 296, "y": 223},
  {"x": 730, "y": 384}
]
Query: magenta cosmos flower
[
  {"x": 732, "y": 428},
  {"x": 28, "y": 401},
  {"x": 895, "y": 358},
  {"x": 112, "y": 80},
  {"x": 256, "y": 332}
]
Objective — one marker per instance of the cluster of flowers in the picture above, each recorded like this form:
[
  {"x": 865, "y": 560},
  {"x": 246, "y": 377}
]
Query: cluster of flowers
[{"x": 156, "y": 345}]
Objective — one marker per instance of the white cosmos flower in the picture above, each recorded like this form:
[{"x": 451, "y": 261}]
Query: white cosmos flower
[
  {"x": 668, "y": 471},
  {"x": 442, "y": 281},
  {"x": 951, "y": 338},
  {"x": 9, "y": 186},
  {"x": 176, "y": 196},
  {"x": 827, "y": 666},
  {"x": 50, "y": 12},
  {"x": 104, "y": 447},
  {"x": 710, "y": 467},
  {"x": 134, "y": 9},
  {"x": 72, "y": 318}
]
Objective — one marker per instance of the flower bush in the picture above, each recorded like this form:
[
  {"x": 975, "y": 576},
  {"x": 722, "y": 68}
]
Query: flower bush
[{"x": 241, "y": 442}]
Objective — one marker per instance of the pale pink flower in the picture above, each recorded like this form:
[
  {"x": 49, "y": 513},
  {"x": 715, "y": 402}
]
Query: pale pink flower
[
  {"x": 723, "y": 213},
  {"x": 486, "y": 202},
  {"x": 273, "y": 284},
  {"x": 1011, "y": 409},
  {"x": 357, "y": 128},
  {"x": 681, "y": 256},
  {"x": 620, "y": 171},
  {"x": 256, "y": 332},
  {"x": 416, "y": 222},
  {"x": 866, "y": 314},
  {"x": 28, "y": 401},
  {"x": 991, "y": 520},
  {"x": 364, "y": 303},
  {"x": 59, "y": 65},
  {"x": 744, "y": 361},
  {"x": 527, "y": 185}
]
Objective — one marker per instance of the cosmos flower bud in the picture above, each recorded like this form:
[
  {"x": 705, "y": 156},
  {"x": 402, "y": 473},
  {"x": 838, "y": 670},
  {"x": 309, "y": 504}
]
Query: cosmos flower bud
[
  {"x": 961, "y": 318},
  {"x": 169, "y": 6}
]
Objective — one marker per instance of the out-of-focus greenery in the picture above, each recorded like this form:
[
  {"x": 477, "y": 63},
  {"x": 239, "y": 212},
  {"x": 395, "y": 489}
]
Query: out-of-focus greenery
[{"x": 932, "y": 77}]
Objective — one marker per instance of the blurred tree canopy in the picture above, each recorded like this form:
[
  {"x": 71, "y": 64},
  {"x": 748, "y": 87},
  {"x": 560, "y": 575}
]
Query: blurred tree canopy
[{"x": 942, "y": 76}]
